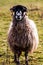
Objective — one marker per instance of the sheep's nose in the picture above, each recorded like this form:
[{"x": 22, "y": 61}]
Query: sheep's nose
[{"x": 18, "y": 17}]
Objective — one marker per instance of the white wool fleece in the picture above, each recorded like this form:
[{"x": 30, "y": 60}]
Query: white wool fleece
[{"x": 34, "y": 31}]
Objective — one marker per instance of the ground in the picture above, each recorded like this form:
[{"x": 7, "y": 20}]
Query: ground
[{"x": 36, "y": 14}]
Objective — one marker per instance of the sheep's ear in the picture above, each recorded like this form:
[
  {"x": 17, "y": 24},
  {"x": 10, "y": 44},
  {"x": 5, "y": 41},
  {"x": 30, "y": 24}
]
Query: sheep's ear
[
  {"x": 13, "y": 9},
  {"x": 24, "y": 9}
]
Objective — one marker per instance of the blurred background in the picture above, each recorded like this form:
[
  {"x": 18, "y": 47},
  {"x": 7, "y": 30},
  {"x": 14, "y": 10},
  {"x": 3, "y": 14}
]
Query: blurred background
[{"x": 35, "y": 12}]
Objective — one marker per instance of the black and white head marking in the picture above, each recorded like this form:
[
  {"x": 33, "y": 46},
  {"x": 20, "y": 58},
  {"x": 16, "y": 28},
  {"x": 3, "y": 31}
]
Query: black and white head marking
[{"x": 18, "y": 11}]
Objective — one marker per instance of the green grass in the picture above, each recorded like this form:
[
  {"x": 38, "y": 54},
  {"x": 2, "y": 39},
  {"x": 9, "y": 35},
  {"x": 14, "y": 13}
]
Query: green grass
[{"x": 6, "y": 56}]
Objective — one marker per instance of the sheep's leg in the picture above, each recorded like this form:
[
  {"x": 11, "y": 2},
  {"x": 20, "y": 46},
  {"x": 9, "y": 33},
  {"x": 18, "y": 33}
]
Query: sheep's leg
[
  {"x": 26, "y": 58},
  {"x": 17, "y": 55}
]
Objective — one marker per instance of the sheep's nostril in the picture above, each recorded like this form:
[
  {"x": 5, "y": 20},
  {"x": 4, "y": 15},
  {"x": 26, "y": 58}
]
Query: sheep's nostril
[{"x": 18, "y": 17}]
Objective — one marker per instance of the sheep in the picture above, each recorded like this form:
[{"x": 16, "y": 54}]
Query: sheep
[{"x": 22, "y": 34}]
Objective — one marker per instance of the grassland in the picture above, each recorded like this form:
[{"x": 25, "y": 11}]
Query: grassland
[{"x": 6, "y": 56}]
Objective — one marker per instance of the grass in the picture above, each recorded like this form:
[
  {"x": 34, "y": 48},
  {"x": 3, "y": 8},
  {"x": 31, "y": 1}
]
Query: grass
[{"x": 6, "y": 56}]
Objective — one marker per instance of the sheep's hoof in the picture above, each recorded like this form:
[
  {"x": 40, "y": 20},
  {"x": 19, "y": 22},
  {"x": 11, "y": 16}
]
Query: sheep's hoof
[
  {"x": 17, "y": 63},
  {"x": 26, "y": 62}
]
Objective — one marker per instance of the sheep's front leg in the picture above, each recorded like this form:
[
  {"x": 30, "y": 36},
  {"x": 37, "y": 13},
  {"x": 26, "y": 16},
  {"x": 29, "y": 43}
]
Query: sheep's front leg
[
  {"x": 16, "y": 58},
  {"x": 26, "y": 58}
]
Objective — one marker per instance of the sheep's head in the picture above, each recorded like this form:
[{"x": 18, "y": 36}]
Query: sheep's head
[{"x": 19, "y": 12}]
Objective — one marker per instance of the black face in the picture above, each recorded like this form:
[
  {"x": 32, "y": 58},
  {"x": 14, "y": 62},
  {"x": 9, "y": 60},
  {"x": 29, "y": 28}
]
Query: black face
[
  {"x": 19, "y": 15},
  {"x": 19, "y": 12}
]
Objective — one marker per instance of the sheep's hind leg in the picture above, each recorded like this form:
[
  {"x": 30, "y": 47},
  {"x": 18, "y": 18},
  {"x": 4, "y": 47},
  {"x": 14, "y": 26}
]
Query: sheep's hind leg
[
  {"x": 15, "y": 58},
  {"x": 26, "y": 58}
]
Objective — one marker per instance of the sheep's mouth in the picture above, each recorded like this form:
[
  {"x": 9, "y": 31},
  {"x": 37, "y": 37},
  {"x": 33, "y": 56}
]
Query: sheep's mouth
[{"x": 18, "y": 18}]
